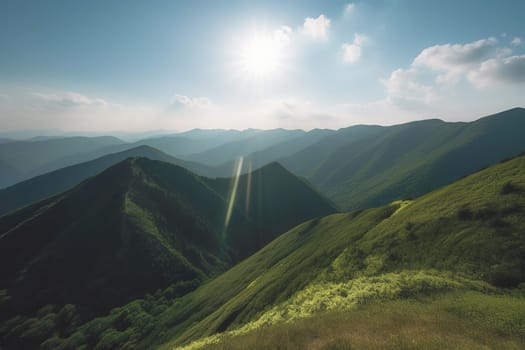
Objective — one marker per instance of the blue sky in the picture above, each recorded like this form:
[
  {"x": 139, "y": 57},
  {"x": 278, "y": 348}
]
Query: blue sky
[{"x": 144, "y": 65}]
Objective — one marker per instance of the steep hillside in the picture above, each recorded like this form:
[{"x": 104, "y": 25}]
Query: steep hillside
[
  {"x": 52, "y": 183},
  {"x": 366, "y": 166},
  {"x": 467, "y": 237},
  {"x": 137, "y": 227},
  {"x": 273, "y": 199}
]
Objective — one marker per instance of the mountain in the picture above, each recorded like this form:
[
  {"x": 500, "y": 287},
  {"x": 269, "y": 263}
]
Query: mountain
[
  {"x": 8, "y": 174},
  {"x": 46, "y": 185},
  {"x": 137, "y": 227},
  {"x": 366, "y": 166},
  {"x": 25, "y": 156},
  {"x": 454, "y": 252},
  {"x": 176, "y": 145},
  {"x": 229, "y": 152}
]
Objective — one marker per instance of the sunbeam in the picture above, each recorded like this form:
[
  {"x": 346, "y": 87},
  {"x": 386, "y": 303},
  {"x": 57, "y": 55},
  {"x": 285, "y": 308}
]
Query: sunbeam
[{"x": 231, "y": 201}]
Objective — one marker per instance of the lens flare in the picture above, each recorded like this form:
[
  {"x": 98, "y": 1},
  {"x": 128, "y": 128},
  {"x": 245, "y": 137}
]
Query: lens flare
[
  {"x": 248, "y": 188},
  {"x": 233, "y": 193}
]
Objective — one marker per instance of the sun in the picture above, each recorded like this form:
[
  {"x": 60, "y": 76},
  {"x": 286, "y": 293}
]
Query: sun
[{"x": 261, "y": 55}]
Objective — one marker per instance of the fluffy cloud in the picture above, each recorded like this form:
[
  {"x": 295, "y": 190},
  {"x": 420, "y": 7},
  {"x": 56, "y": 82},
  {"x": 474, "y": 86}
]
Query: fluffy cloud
[
  {"x": 352, "y": 51},
  {"x": 446, "y": 57},
  {"x": 516, "y": 41},
  {"x": 405, "y": 89},
  {"x": 499, "y": 70},
  {"x": 438, "y": 69},
  {"x": 316, "y": 28}
]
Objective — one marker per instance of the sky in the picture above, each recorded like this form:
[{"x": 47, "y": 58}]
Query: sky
[{"x": 107, "y": 65}]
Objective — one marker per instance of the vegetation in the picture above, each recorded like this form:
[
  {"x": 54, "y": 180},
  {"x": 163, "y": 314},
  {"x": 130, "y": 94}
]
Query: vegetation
[
  {"x": 49, "y": 184},
  {"x": 366, "y": 166},
  {"x": 139, "y": 227},
  {"x": 442, "y": 278},
  {"x": 457, "y": 320}
]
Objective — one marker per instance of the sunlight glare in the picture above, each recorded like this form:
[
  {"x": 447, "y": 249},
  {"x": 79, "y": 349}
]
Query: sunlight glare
[{"x": 261, "y": 55}]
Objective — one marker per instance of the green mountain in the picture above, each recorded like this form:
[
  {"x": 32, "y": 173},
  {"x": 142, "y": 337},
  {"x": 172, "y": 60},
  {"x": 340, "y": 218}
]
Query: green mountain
[
  {"x": 46, "y": 185},
  {"x": 26, "y": 156},
  {"x": 137, "y": 227},
  {"x": 367, "y": 166},
  {"x": 457, "y": 253}
]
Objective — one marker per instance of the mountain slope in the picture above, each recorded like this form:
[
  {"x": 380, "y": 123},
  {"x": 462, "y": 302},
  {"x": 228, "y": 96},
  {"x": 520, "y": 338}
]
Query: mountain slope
[
  {"x": 137, "y": 227},
  {"x": 452, "y": 238},
  {"x": 367, "y": 166},
  {"x": 467, "y": 236},
  {"x": 52, "y": 183}
]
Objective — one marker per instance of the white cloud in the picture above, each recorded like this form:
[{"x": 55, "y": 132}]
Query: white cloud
[
  {"x": 352, "y": 52},
  {"x": 405, "y": 89},
  {"x": 182, "y": 101},
  {"x": 448, "y": 56},
  {"x": 516, "y": 41},
  {"x": 499, "y": 70},
  {"x": 316, "y": 28},
  {"x": 69, "y": 100},
  {"x": 349, "y": 9},
  {"x": 440, "y": 72}
]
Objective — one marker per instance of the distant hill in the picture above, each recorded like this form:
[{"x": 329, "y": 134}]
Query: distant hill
[
  {"x": 46, "y": 185},
  {"x": 366, "y": 166},
  {"x": 25, "y": 156},
  {"x": 176, "y": 145},
  {"x": 136, "y": 227},
  {"x": 258, "y": 141}
]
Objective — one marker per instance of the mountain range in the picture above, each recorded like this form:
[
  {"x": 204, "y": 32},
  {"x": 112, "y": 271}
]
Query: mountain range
[{"x": 403, "y": 236}]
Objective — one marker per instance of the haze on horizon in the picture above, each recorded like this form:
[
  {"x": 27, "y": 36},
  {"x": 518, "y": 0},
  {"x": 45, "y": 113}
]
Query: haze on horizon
[{"x": 105, "y": 66}]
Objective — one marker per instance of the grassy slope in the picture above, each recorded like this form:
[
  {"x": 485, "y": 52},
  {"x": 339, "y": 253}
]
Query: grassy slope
[
  {"x": 382, "y": 164},
  {"x": 447, "y": 240},
  {"x": 457, "y": 320},
  {"x": 57, "y": 181}
]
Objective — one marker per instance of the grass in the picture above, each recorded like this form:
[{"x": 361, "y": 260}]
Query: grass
[{"x": 456, "y": 320}]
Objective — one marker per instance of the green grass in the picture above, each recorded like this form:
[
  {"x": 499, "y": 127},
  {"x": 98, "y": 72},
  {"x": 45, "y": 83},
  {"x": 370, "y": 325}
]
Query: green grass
[{"x": 455, "y": 320}]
